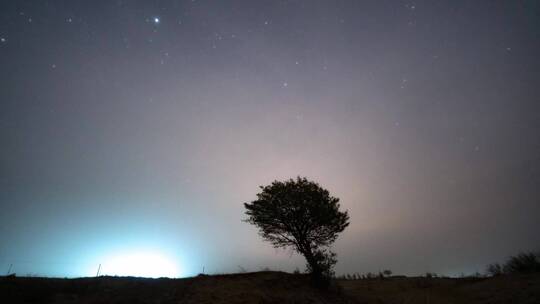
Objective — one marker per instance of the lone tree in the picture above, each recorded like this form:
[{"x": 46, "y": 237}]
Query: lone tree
[{"x": 302, "y": 215}]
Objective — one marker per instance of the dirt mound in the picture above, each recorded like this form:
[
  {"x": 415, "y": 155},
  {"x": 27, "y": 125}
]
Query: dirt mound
[{"x": 260, "y": 287}]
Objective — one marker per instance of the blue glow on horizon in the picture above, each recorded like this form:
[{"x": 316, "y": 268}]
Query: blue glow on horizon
[{"x": 141, "y": 264}]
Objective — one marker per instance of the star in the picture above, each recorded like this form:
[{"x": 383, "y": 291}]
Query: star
[
  {"x": 156, "y": 20},
  {"x": 3, "y": 40},
  {"x": 410, "y": 6}
]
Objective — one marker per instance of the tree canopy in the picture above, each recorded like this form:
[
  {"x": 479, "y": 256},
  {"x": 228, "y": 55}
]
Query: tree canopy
[{"x": 302, "y": 215}]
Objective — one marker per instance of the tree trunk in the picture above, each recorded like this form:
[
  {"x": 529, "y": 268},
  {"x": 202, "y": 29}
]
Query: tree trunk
[{"x": 316, "y": 271}]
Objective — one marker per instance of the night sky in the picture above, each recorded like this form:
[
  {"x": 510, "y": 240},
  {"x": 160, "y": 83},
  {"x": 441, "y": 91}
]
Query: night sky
[{"x": 132, "y": 132}]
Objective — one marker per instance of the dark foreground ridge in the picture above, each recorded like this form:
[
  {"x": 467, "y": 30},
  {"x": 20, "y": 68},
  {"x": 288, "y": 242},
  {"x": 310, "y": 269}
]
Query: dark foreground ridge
[{"x": 270, "y": 287}]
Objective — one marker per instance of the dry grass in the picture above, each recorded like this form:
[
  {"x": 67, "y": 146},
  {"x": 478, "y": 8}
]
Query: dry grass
[
  {"x": 504, "y": 289},
  {"x": 270, "y": 287}
]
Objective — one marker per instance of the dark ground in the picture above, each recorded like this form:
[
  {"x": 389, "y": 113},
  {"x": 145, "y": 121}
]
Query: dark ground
[{"x": 269, "y": 287}]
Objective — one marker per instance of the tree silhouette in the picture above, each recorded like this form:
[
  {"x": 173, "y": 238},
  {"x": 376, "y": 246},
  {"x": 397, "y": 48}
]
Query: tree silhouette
[
  {"x": 302, "y": 215},
  {"x": 523, "y": 263}
]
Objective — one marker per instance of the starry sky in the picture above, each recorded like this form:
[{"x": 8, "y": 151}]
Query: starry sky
[{"x": 135, "y": 131}]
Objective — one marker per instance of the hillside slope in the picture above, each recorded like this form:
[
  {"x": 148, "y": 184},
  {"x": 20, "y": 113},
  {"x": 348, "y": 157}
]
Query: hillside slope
[
  {"x": 504, "y": 289},
  {"x": 260, "y": 287},
  {"x": 269, "y": 287}
]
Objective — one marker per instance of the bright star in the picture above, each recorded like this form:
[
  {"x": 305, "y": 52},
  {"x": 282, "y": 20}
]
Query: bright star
[{"x": 156, "y": 20}]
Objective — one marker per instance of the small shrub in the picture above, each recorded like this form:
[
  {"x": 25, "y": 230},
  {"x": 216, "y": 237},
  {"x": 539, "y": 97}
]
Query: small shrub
[
  {"x": 476, "y": 275},
  {"x": 241, "y": 269},
  {"x": 431, "y": 275},
  {"x": 522, "y": 263},
  {"x": 494, "y": 269}
]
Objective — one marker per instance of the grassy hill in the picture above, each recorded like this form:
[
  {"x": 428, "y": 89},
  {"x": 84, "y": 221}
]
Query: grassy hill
[
  {"x": 269, "y": 287},
  {"x": 503, "y": 289}
]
